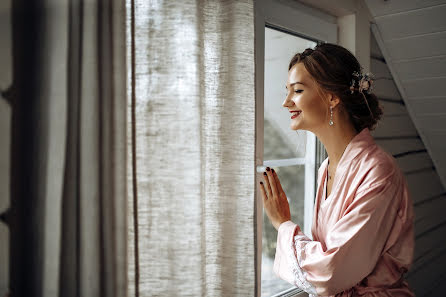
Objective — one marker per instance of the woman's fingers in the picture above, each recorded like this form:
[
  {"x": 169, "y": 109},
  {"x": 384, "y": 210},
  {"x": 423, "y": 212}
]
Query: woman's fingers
[
  {"x": 272, "y": 182},
  {"x": 274, "y": 199},
  {"x": 263, "y": 192},
  {"x": 267, "y": 185},
  {"x": 278, "y": 184}
]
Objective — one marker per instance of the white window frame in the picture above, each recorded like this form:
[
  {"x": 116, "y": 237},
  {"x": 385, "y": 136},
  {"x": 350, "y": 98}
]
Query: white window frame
[{"x": 297, "y": 19}]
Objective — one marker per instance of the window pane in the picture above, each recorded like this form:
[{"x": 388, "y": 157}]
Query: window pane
[
  {"x": 292, "y": 179},
  {"x": 279, "y": 49},
  {"x": 280, "y": 142}
]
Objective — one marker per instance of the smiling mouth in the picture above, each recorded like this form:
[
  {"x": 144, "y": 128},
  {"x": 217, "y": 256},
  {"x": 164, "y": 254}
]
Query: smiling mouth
[{"x": 296, "y": 114}]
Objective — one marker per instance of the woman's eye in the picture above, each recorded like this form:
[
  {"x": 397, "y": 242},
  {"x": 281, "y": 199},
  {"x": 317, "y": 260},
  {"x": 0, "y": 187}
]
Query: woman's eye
[{"x": 298, "y": 91}]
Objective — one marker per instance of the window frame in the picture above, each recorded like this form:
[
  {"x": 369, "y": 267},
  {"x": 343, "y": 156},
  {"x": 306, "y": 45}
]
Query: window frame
[{"x": 314, "y": 25}]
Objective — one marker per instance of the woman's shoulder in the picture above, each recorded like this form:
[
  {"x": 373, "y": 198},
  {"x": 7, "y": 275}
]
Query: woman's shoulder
[{"x": 377, "y": 166}]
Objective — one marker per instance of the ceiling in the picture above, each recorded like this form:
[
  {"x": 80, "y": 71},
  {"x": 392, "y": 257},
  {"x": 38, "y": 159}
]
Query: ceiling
[{"x": 412, "y": 38}]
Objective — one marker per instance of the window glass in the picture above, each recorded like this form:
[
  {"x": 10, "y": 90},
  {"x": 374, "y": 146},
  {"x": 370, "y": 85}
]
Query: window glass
[
  {"x": 292, "y": 179},
  {"x": 280, "y": 142},
  {"x": 280, "y": 47}
]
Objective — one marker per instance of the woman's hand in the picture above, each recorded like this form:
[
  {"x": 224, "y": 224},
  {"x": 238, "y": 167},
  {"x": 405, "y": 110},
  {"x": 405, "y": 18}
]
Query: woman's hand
[{"x": 274, "y": 199}]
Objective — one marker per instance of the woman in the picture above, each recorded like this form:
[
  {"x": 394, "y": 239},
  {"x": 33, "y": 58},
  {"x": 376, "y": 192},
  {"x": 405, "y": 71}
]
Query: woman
[{"x": 363, "y": 238}]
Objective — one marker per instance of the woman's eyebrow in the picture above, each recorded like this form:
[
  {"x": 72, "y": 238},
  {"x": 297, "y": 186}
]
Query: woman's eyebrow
[{"x": 292, "y": 84}]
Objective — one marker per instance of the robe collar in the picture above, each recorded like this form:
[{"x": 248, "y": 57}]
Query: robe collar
[{"x": 362, "y": 141}]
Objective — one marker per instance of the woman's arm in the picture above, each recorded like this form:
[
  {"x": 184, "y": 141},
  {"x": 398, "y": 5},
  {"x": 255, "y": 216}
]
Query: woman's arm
[{"x": 353, "y": 245}]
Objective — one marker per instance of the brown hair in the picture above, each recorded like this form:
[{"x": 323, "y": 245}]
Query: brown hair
[{"x": 332, "y": 67}]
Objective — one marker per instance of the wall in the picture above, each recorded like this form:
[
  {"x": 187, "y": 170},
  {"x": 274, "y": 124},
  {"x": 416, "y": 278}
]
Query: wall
[{"x": 397, "y": 134}]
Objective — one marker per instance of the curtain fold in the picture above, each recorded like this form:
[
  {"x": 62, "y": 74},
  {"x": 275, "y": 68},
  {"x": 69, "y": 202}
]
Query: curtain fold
[
  {"x": 96, "y": 162},
  {"x": 69, "y": 230},
  {"x": 195, "y": 155}
]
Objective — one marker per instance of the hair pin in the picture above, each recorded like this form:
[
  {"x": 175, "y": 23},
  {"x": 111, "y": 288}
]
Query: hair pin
[{"x": 364, "y": 82}]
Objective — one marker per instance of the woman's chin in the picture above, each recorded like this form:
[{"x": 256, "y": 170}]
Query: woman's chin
[{"x": 295, "y": 126}]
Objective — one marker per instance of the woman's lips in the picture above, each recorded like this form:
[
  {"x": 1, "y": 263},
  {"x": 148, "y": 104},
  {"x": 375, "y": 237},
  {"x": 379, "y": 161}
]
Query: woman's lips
[{"x": 295, "y": 114}]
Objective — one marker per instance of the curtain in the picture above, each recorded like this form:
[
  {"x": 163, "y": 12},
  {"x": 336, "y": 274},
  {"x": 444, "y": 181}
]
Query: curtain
[
  {"x": 68, "y": 212},
  {"x": 192, "y": 111}
]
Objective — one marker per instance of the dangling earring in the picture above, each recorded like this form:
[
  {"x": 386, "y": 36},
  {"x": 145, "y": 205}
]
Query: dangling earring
[{"x": 331, "y": 116}]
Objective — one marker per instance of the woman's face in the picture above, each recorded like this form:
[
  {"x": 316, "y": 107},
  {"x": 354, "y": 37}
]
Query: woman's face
[{"x": 303, "y": 96}]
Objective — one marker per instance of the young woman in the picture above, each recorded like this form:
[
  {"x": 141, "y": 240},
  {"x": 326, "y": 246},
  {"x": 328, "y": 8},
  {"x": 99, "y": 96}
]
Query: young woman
[{"x": 363, "y": 235}]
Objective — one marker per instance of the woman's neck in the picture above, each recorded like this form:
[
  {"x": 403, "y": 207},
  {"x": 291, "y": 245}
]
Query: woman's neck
[{"x": 335, "y": 139}]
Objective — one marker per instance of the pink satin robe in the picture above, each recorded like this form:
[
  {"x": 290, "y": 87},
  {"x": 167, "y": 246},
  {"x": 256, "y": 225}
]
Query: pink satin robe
[{"x": 363, "y": 234}]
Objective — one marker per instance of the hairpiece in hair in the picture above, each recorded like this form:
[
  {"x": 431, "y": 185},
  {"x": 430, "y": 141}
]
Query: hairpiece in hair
[{"x": 364, "y": 82}]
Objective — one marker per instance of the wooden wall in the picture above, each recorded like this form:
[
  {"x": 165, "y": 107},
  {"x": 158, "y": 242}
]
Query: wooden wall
[{"x": 397, "y": 134}]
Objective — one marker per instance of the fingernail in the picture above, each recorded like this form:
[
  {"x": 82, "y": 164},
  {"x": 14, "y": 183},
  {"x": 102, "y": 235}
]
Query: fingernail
[
  {"x": 272, "y": 170},
  {"x": 261, "y": 183},
  {"x": 264, "y": 173},
  {"x": 267, "y": 168}
]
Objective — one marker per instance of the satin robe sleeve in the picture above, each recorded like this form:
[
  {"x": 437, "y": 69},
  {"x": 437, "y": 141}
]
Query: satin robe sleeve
[{"x": 353, "y": 244}]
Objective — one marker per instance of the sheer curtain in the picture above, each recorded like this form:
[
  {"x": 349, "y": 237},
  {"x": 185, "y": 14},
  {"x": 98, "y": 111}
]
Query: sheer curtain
[
  {"x": 68, "y": 171},
  {"x": 192, "y": 110}
]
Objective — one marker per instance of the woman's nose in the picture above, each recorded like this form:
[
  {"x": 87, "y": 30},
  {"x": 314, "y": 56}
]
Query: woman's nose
[{"x": 287, "y": 102}]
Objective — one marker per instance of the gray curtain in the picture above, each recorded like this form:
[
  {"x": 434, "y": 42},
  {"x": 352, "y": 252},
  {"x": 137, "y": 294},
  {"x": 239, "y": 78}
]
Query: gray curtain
[
  {"x": 192, "y": 212},
  {"x": 68, "y": 207}
]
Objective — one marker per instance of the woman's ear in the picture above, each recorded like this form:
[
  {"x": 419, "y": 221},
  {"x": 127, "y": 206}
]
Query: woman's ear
[{"x": 333, "y": 100}]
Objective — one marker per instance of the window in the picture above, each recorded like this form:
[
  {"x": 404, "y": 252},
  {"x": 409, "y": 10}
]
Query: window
[
  {"x": 287, "y": 28},
  {"x": 290, "y": 155}
]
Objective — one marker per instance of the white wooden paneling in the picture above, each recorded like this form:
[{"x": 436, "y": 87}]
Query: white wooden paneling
[
  {"x": 431, "y": 272},
  {"x": 375, "y": 52},
  {"x": 413, "y": 162},
  {"x": 397, "y": 146},
  {"x": 438, "y": 140},
  {"x": 429, "y": 215},
  {"x": 439, "y": 144},
  {"x": 5, "y": 44},
  {"x": 394, "y": 127},
  {"x": 380, "y": 8},
  {"x": 424, "y": 185},
  {"x": 427, "y": 247},
  {"x": 426, "y": 106},
  {"x": 433, "y": 123},
  {"x": 4, "y": 259},
  {"x": 379, "y": 69},
  {"x": 412, "y": 38},
  {"x": 393, "y": 109},
  {"x": 425, "y": 87},
  {"x": 386, "y": 88},
  {"x": 441, "y": 170},
  {"x": 425, "y": 208},
  {"x": 421, "y": 68},
  {"x": 432, "y": 44},
  {"x": 412, "y": 22}
]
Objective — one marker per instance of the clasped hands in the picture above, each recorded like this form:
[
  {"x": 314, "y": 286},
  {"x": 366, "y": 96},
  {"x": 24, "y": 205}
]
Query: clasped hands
[{"x": 274, "y": 199}]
